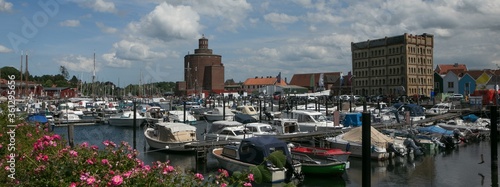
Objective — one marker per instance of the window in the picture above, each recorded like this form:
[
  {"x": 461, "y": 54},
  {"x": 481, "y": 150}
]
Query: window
[{"x": 450, "y": 85}]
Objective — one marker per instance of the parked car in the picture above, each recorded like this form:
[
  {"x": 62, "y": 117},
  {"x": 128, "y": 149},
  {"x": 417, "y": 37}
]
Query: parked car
[{"x": 456, "y": 97}]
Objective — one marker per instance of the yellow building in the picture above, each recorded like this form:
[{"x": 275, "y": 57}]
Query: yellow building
[{"x": 398, "y": 65}]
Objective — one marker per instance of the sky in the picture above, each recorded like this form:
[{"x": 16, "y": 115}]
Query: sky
[{"x": 142, "y": 41}]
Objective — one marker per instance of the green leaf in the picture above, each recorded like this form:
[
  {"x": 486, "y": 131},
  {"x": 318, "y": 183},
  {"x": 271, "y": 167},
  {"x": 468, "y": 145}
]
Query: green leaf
[
  {"x": 257, "y": 175},
  {"x": 266, "y": 174},
  {"x": 277, "y": 158}
]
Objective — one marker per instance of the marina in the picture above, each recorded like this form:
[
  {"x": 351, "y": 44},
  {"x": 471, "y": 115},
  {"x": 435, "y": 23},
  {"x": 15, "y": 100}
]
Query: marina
[{"x": 159, "y": 138}]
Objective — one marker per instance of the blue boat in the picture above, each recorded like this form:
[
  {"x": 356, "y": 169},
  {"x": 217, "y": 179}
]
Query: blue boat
[{"x": 37, "y": 118}]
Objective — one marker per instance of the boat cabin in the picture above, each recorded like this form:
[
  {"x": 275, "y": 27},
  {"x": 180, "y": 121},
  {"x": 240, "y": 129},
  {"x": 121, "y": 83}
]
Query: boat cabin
[{"x": 254, "y": 150}]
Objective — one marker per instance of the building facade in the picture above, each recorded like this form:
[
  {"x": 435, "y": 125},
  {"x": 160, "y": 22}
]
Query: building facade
[
  {"x": 398, "y": 65},
  {"x": 203, "y": 70}
]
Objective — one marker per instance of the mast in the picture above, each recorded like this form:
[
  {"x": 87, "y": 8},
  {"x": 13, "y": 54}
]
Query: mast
[
  {"x": 21, "y": 72},
  {"x": 26, "y": 76},
  {"x": 93, "y": 79}
]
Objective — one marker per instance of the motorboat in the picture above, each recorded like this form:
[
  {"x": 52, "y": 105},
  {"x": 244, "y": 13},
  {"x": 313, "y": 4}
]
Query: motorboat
[
  {"x": 228, "y": 131},
  {"x": 246, "y": 109},
  {"x": 316, "y": 167},
  {"x": 416, "y": 112},
  {"x": 126, "y": 119},
  {"x": 322, "y": 153},
  {"x": 170, "y": 136},
  {"x": 219, "y": 113},
  {"x": 352, "y": 141},
  {"x": 252, "y": 152},
  {"x": 181, "y": 116},
  {"x": 439, "y": 108},
  {"x": 313, "y": 121}
]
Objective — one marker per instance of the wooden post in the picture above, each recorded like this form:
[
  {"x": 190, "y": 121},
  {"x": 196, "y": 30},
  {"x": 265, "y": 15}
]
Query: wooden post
[
  {"x": 135, "y": 125},
  {"x": 366, "y": 150},
  {"x": 494, "y": 147},
  {"x": 71, "y": 129}
]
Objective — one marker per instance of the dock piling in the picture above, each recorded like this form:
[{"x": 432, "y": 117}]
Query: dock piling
[{"x": 494, "y": 147}]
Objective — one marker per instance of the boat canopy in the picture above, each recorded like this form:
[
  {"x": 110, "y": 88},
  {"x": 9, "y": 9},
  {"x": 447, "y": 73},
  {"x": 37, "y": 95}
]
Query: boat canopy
[
  {"x": 244, "y": 118},
  {"x": 378, "y": 139},
  {"x": 254, "y": 150}
]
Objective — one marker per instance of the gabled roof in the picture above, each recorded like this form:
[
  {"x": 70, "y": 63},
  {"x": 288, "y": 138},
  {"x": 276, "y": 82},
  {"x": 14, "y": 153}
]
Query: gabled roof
[
  {"x": 444, "y": 68},
  {"x": 458, "y": 72},
  {"x": 306, "y": 79},
  {"x": 475, "y": 73},
  {"x": 263, "y": 81}
]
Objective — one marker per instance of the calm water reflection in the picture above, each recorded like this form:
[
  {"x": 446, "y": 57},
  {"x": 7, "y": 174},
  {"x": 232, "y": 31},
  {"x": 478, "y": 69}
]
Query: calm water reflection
[{"x": 455, "y": 168}]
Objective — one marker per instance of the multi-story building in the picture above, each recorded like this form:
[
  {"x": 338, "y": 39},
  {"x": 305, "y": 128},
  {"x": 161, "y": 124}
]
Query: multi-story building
[
  {"x": 398, "y": 65},
  {"x": 203, "y": 71}
]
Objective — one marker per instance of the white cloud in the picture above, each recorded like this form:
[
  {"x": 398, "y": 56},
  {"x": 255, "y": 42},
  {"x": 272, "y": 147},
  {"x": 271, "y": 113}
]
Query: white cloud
[
  {"x": 126, "y": 52},
  {"x": 105, "y": 29},
  {"x": 4, "y": 49},
  {"x": 167, "y": 23},
  {"x": 5, "y": 6},
  {"x": 78, "y": 63},
  {"x": 99, "y": 5},
  {"x": 280, "y": 18},
  {"x": 70, "y": 23}
]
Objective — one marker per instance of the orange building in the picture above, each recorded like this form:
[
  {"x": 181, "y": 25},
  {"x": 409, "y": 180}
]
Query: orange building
[{"x": 253, "y": 84}]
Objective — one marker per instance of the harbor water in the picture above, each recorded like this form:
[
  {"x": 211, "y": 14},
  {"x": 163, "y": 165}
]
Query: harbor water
[{"x": 458, "y": 167}]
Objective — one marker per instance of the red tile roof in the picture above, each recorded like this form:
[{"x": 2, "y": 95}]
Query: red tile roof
[
  {"x": 444, "y": 68},
  {"x": 264, "y": 81}
]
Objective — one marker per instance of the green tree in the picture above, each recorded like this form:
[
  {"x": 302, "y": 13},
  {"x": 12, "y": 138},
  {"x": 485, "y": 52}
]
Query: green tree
[
  {"x": 64, "y": 72},
  {"x": 47, "y": 83},
  {"x": 7, "y": 70}
]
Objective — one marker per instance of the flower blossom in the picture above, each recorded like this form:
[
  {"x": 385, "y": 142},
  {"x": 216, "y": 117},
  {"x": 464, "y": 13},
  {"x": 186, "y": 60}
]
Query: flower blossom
[
  {"x": 199, "y": 176},
  {"x": 224, "y": 172},
  {"x": 105, "y": 161},
  {"x": 116, "y": 180},
  {"x": 73, "y": 153},
  {"x": 250, "y": 177},
  {"x": 90, "y": 180},
  {"x": 247, "y": 184}
]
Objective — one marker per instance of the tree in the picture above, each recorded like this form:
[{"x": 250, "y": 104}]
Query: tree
[
  {"x": 7, "y": 70},
  {"x": 64, "y": 72},
  {"x": 48, "y": 83}
]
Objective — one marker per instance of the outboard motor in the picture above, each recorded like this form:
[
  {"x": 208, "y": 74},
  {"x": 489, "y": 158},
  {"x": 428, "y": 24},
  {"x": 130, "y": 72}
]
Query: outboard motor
[
  {"x": 410, "y": 144},
  {"x": 290, "y": 172}
]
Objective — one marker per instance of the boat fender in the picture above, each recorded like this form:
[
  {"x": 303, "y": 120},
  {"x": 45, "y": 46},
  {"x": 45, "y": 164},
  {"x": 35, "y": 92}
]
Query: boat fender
[{"x": 347, "y": 147}]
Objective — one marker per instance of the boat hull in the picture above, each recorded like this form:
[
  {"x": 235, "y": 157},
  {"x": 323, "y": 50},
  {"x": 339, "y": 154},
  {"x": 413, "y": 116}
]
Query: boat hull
[
  {"x": 125, "y": 122},
  {"x": 167, "y": 146},
  {"x": 323, "y": 153},
  {"x": 334, "y": 168},
  {"x": 232, "y": 165}
]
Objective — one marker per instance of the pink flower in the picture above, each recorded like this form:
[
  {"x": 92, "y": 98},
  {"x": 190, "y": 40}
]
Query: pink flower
[
  {"x": 56, "y": 137},
  {"x": 116, "y": 180},
  {"x": 106, "y": 142},
  {"x": 104, "y": 161},
  {"x": 29, "y": 135},
  {"x": 90, "y": 180},
  {"x": 224, "y": 172},
  {"x": 73, "y": 184},
  {"x": 73, "y": 153},
  {"x": 129, "y": 156},
  {"x": 89, "y": 161},
  {"x": 94, "y": 147},
  {"x": 223, "y": 185},
  {"x": 199, "y": 176},
  {"x": 127, "y": 174},
  {"x": 250, "y": 177},
  {"x": 84, "y": 176},
  {"x": 168, "y": 169},
  {"x": 84, "y": 144},
  {"x": 247, "y": 184}
]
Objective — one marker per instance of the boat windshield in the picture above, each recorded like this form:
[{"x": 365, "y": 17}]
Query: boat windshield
[
  {"x": 238, "y": 132},
  {"x": 319, "y": 118},
  {"x": 266, "y": 129}
]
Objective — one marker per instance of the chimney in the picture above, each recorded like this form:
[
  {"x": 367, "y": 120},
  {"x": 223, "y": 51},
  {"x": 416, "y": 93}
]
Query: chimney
[{"x": 455, "y": 65}]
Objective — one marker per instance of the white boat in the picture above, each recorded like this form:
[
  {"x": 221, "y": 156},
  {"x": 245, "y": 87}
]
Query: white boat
[
  {"x": 253, "y": 152},
  {"x": 227, "y": 130},
  {"x": 352, "y": 141},
  {"x": 170, "y": 136},
  {"x": 247, "y": 109},
  {"x": 313, "y": 121},
  {"x": 439, "y": 108},
  {"x": 126, "y": 119},
  {"x": 219, "y": 113},
  {"x": 178, "y": 116},
  {"x": 260, "y": 129},
  {"x": 68, "y": 117}
]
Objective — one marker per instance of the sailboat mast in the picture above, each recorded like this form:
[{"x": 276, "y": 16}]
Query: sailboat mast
[
  {"x": 93, "y": 79},
  {"x": 26, "y": 76},
  {"x": 21, "y": 72}
]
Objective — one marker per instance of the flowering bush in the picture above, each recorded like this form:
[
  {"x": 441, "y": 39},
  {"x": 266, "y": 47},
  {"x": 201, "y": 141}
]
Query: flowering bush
[{"x": 42, "y": 158}]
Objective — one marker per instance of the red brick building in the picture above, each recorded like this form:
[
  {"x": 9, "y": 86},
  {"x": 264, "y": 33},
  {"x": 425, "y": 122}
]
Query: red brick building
[{"x": 203, "y": 71}]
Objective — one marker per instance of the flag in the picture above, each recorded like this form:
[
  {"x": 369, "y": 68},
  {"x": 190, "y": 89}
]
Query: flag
[{"x": 278, "y": 79}]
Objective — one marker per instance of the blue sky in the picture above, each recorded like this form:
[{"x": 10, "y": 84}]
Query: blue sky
[{"x": 255, "y": 38}]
